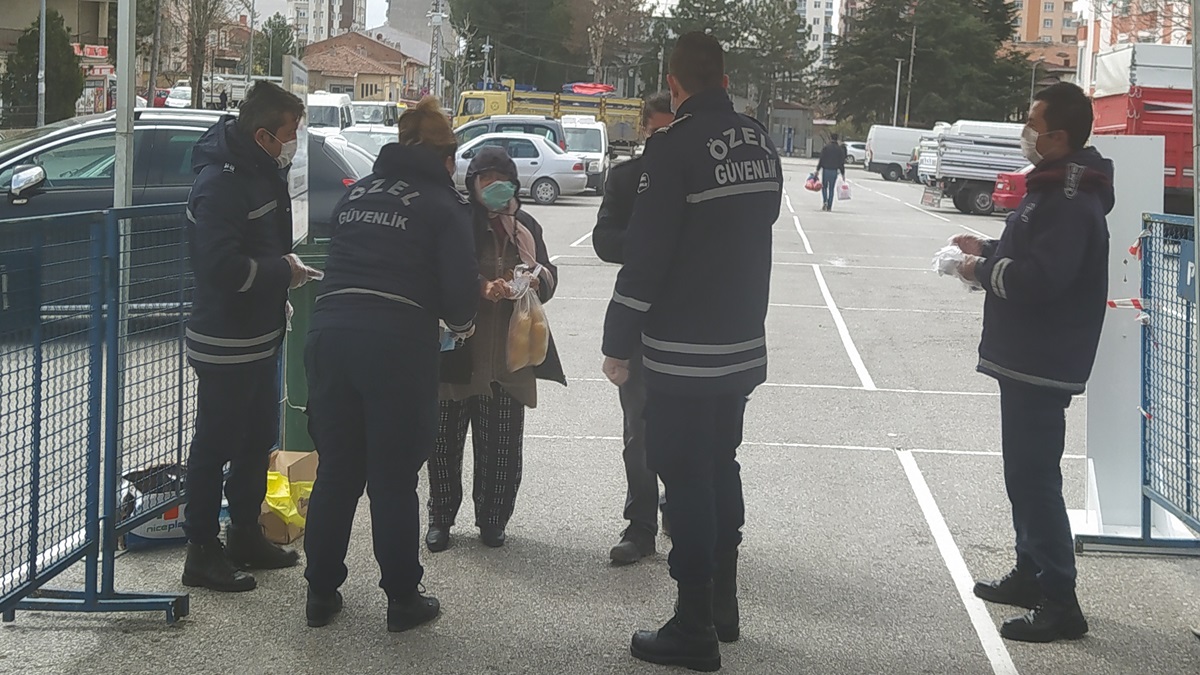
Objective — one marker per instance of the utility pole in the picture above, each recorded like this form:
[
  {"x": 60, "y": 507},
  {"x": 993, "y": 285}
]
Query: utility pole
[
  {"x": 896, "y": 105},
  {"x": 662, "y": 65},
  {"x": 41, "y": 113},
  {"x": 487, "y": 62},
  {"x": 912, "y": 60},
  {"x": 1195, "y": 134},
  {"x": 436, "y": 16},
  {"x": 1033, "y": 79},
  {"x": 250, "y": 48}
]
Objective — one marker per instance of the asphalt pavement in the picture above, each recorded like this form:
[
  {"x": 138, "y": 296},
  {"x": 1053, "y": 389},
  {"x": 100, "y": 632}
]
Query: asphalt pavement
[{"x": 873, "y": 486}]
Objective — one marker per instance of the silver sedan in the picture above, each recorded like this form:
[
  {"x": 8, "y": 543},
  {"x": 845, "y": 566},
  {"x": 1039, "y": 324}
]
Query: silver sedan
[{"x": 546, "y": 170}]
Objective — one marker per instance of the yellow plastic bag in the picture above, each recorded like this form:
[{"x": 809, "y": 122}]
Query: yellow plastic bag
[{"x": 281, "y": 501}]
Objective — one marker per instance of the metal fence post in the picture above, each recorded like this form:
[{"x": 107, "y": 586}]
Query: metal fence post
[
  {"x": 112, "y": 398},
  {"x": 95, "y": 409}
]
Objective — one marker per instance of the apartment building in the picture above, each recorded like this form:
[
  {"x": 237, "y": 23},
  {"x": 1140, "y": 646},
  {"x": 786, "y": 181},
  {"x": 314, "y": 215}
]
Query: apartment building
[
  {"x": 823, "y": 18},
  {"x": 318, "y": 20},
  {"x": 1105, "y": 24},
  {"x": 1052, "y": 21}
]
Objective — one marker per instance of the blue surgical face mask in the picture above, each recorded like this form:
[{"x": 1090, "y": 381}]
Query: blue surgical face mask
[{"x": 497, "y": 195}]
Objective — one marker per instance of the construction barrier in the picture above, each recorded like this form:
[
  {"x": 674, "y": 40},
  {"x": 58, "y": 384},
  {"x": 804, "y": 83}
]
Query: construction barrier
[{"x": 94, "y": 389}]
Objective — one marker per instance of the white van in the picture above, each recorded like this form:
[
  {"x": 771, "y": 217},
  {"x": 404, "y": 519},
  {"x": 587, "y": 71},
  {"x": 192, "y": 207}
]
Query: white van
[
  {"x": 890, "y": 149},
  {"x": 587, "y": 138},
  {"x": 328, "y": 113}
]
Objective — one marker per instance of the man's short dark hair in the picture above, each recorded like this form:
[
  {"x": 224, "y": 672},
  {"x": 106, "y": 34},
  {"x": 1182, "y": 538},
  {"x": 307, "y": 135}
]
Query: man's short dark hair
[
  {"x": 656, "y": 104},
  {"x": 698, "y": 62},
  {"x": 1068, "y": 109},
  {"x": 833, "y": 138},
  {"x": 266, "y": 107}
]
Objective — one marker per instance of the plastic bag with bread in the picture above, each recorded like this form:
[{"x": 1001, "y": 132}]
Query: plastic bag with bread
[{"x": 528, "y": 329}]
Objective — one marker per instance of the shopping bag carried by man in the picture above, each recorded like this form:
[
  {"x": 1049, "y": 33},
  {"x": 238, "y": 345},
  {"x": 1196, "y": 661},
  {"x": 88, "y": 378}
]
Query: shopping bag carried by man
[
  {"x": 843, "y": 190},
  {"x": 813, "y": 184}
]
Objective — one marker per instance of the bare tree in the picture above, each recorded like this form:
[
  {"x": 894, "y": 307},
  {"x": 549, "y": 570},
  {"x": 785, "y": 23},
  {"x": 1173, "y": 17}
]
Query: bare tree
[
  {"x": 614, "y": 32},
  {"x": 1154, "y": 21},
  {"x": 204, "y": 17}
]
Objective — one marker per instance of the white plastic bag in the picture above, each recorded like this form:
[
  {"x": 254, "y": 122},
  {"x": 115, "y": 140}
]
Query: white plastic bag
[
  {"x": 843, "y": 190},
  {"x": 528, "y": 330},
  {"x": 946, "y": 262}
]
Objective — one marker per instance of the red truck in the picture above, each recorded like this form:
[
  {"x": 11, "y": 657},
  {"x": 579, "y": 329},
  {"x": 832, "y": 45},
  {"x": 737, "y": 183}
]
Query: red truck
[{"x": 1146, "y": 90}]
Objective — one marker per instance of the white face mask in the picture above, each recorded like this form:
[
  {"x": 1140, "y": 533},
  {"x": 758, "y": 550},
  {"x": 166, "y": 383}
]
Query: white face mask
[
  {"x": 287, "y": 151},
  {"x": 1029, "y": 139}
]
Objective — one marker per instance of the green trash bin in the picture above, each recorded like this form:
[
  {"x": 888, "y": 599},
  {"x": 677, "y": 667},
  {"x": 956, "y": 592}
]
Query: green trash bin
[{"x": 294, "y": 435}]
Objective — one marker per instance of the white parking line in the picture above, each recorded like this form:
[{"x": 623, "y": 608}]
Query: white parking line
[
  {"x": 787, "y": 198},
  {"x": 981, "y": 620},
  {"x": 785, "y": 305},
  {"x": 579, "y": 242},
  {"x": 928, "y": 213},
  {"x": 803, "y": 237},
  {"x": 844, "y": 332},
  {"x": 838, "y": 266}
]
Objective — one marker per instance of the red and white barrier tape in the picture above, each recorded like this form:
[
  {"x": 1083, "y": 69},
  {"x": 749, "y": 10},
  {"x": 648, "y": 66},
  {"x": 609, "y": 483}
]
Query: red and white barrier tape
[{"x": 1130, "y": 303}]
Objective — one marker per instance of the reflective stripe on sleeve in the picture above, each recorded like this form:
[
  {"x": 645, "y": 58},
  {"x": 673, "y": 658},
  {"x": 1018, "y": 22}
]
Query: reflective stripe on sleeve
[
  {"x": 733, "y": 190},
  {"x": 631, "y": 303},
  {"x": 232, "y": 342},
  {"x": 998, "y": 271},
  {"x": 703, "y": 371},
  {"x": 262, "y": 210},
  {"x": 693, "y": 348},
  {"x": 250, "y": 277}
]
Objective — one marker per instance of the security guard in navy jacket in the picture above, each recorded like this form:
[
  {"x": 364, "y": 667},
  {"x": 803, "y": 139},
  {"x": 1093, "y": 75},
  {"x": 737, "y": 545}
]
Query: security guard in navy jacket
[
  {"x": 1047, "y": 284},
  {"x": 240, "y": 233},
  {"x": 693, "y": 292},
  {"x": 401, "y": 259}
]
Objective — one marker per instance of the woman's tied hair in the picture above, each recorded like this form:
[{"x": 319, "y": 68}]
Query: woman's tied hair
[{"x": 426, "y": 124}]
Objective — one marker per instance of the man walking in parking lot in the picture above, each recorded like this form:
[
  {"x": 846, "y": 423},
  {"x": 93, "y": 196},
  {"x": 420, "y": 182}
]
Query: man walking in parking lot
[
  {"x": 240, "y": 234},
  {"x": 831, "y": 165},
  {"x": 1047, "y": 284}
]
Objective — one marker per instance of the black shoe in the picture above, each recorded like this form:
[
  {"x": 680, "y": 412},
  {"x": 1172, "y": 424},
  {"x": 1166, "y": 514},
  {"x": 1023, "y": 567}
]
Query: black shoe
[
  {"x": 688, "y": 639},
  {"x": 492, "y": 536},
  {"x": 725, "y": 603},
  {"x": 437, "y": 539},
  {"x": 411, "y": 612},
  {"x": 636, "y": 543},
  {"x": 250, "y": 549},
  {"x": 207, "y": 566},
  {"x": 1048, "y": 622},
  {"x": 1018, "y": 588},
  {"x": 665, "y": 528},
  {"x": 322, "y": 608}
]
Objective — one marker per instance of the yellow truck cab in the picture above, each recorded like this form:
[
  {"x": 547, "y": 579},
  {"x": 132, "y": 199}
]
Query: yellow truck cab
[{"x": 622, "y": 116}]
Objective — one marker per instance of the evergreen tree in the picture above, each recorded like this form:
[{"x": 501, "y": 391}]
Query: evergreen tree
[
  {"x": 999, "y": 15},
  {"x": 960, "y": 71},
  {"x": 529, "y": 39},
  {"x": 64, "y": 77},
  {"x": 773, "y": 57},
  {"x": 277, "y": 40}
]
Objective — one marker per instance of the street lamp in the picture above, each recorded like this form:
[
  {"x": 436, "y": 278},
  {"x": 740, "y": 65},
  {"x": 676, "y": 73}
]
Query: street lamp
[
  {"x": 896, "y": 105},
  {"x": 1033, "y": 78}
]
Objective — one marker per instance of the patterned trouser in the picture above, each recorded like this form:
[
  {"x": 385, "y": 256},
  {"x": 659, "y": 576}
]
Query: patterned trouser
[{"x": 497, "y": 430}]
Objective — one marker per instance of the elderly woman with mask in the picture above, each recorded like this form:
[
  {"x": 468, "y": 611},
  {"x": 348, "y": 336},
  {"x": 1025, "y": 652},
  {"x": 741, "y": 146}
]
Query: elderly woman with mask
[{"x": 477, "y": 388}]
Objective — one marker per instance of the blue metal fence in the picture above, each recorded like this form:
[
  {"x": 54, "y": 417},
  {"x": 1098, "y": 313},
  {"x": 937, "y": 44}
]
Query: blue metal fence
[
  {"x": 1171, "y": 423},
  {"x": 93, "y": 385}
]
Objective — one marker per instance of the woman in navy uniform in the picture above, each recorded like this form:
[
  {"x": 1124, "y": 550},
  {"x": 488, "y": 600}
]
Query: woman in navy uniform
[
  {"x": 402, "y": 257},
  {"x": 477, "y": 387}
]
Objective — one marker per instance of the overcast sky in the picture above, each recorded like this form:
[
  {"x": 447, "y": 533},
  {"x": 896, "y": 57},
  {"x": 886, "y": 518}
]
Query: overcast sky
[{"x": 376, "y": 9}]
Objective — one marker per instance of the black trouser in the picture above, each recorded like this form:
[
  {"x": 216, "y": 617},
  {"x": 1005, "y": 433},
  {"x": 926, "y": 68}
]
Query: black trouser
[
  {"x": 237, "y": 423},
  {"x": 1033, "y": 424},
  {"x": 692, "y": 444},
  {"x": 497, "y": 436},
  {"x": 641, "y": 496},
  {"x": 372, "y": 412}
]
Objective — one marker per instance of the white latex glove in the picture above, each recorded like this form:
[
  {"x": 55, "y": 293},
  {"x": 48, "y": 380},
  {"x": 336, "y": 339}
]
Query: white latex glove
[
  {"x": 616, "y": 370},
  {"x": 288, "y": 311},
  {"x": 971, "y": 244}
]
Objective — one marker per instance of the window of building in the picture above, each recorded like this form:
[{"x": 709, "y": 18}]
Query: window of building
[
  {"x": 1048, "y": 23},
  {"x": 1019, "y": 4},
  {"x": 367, "y": 90},
  {"x": 1048, "y": 7}
]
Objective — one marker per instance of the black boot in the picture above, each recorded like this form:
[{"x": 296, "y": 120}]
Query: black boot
[
  {"x": 321, "y": 609},
  {"x": 636, "y": 543},
  {"x": 725, "y": 603},
  {"x": 249, "y": 549},
  {"x": 492, "y": 536},
  {"x": 437, "y": 539},
  {"x": 207, "y": 566},
  {"x": 412, "y": 611},
  {"x": 1018, "y": 588},
  {"x": 688, "y": 639},
  {"x": 1049, "y": 621}
]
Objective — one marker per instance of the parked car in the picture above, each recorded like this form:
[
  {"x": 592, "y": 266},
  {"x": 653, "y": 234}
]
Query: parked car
[
  {"x": 328, "y": 113},
  {"x": 160, "y": 97},
  {"x": 375, "y": 112},
  {"x": 546, "y": 170},
  {"x": 180, "y": 96},
  {"x": 370, "y": 137},
  {"x": 547, "y": 127},
  {"x": 856, "y": 152},
  {"x": 1010, "y": 189},
  {"x": 68, "y": 167},
  {"x": 588, "y": 138}
]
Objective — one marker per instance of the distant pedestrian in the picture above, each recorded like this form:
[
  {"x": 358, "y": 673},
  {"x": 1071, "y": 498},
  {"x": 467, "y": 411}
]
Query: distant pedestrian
[
  {"x": 642, "y": 498},
  {"x": 1047, "y": 283},
  {"x": 831, "y": 164},
  {"x": 478, "y": 390},
  {"x": 224, "y": 100},
  {"x": 708, "y": 198},
  {"x": 401, "y": 259},
  {"x": 241, "y": 241}
]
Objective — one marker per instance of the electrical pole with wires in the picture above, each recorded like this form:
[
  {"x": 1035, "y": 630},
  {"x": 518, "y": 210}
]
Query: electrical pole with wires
[
  {"x": 487, "y": 62},
  {"x": 436, "y": 17}
]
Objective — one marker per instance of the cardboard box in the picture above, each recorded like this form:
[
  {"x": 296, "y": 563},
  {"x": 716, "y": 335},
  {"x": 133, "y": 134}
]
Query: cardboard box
[
  {"x": 299, "y": 471},
  {"x": 143, "y": 491}
]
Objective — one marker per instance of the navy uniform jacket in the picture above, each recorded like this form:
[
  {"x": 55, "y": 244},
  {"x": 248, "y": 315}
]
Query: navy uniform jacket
[
  {"x": 608, "y": 237},
  {"x": 240, "y": 227},
  {"x": 403, "y": 252},
  {"x": 697, "y": 273},
  {"x": 1047, "y": 277}
]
